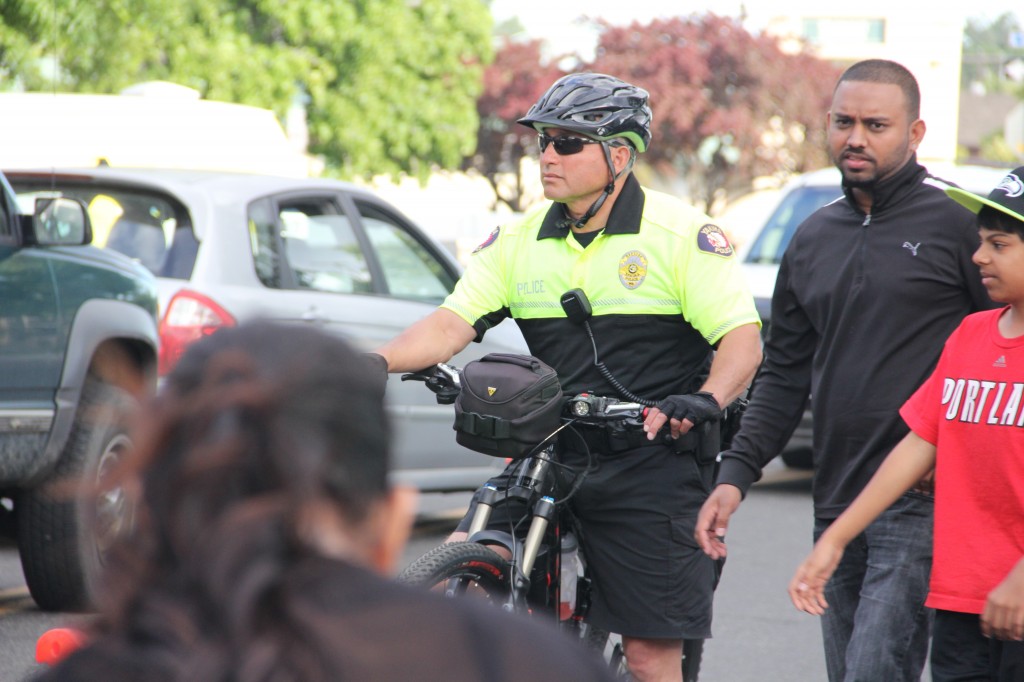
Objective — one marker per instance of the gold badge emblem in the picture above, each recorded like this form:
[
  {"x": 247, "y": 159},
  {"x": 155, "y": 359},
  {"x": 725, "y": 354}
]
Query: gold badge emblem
[
  {"x": 491, "y": 390},
  {"x": 632, "y": 269}
]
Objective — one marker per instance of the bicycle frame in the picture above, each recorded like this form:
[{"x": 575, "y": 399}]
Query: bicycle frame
[{"x": 534, "y": 486}]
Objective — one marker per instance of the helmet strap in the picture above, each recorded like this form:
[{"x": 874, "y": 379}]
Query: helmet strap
[{"x": 578, "y": 223}]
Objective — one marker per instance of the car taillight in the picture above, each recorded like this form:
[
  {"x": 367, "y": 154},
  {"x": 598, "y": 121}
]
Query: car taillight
[{"x": 189, "y": 317}]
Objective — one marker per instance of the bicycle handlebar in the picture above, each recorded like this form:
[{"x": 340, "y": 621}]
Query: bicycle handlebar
[{"x": 445, "y": 381}]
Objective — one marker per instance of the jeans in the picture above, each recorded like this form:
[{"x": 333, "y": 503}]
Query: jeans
[{"x": 877, "y": 627}]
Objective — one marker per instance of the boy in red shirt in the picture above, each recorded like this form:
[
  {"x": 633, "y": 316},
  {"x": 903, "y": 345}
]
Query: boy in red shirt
[{"x": 967, "y": 422}]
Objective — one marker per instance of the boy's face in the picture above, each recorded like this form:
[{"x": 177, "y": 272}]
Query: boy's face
[{"x": 1001, "y": 260}]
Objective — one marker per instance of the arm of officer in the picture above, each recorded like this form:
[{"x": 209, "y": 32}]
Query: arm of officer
[
  {"x": 433, "y": 339},
  {"x": 736, "y": 361},
  {"x": 733, "y": 367}
]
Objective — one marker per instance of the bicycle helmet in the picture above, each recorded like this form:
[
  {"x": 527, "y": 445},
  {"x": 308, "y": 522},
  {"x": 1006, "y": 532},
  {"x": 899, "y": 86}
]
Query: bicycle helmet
[{"x": 594, "y": 104}]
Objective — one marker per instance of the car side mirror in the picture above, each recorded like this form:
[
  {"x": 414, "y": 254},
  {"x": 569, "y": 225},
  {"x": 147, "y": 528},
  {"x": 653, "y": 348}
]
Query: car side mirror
[{"x": 57, "y": 221}]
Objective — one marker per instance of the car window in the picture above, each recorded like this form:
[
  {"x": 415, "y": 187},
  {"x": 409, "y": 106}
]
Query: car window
[
  {"x": 778, "y": 230},
  {"x": 410, "y": 269},
  {"x": 307, "y": 244},
  {"x": 7, "y": 211},
  {"x": 144, "y": 226}
]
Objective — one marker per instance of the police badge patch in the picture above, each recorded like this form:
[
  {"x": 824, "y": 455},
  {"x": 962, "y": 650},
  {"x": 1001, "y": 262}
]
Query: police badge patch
[
  {"x": 491, "y": 238},
  {"x": 711, "y": 239},
  {"x": 632, "y": 269}
]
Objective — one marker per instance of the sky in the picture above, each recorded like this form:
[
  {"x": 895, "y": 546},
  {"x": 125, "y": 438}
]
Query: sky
[{"x": 557, "y": 20}]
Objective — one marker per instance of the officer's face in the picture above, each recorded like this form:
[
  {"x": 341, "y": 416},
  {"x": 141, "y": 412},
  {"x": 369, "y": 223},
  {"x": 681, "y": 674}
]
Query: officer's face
[
  {"x": 870, "y": 134},
  {"x": 573, "y": 179}
]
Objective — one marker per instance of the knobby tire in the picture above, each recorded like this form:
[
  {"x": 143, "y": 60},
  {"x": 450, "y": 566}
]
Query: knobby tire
[{"x": 460, "y": 568}]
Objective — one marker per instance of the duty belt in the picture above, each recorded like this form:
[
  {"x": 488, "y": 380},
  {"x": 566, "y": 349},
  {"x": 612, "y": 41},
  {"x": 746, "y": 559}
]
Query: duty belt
[{"x": 613, "y": 439}]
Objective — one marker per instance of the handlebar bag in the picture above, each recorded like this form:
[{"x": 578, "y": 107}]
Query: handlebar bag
[{"x": 508, "y": 404}]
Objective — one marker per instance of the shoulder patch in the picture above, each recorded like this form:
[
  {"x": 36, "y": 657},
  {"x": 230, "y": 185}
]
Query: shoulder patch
[
  {"x": 711, "y": 239},
  {"x": 491, "y": 238}
]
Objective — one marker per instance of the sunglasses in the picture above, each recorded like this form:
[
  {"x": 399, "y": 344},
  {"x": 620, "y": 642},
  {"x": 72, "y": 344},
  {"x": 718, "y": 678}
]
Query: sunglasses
[{"x": 565, "y": 145}]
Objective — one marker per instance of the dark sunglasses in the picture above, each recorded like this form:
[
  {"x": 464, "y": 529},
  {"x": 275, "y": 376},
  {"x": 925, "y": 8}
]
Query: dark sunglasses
[{"x": 565, "y": 145}]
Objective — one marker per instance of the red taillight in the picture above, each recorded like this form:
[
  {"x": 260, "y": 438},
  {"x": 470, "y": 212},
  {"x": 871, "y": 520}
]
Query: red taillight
[{"x": 189, "y": 317}]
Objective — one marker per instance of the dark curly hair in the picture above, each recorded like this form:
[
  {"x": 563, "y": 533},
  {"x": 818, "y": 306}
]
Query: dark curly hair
[{"x": 262, "y": 436}]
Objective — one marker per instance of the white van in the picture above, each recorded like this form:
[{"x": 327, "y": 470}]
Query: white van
[
  {"x": 164, "y": 126},
  {"x": 802, "y": 196}
]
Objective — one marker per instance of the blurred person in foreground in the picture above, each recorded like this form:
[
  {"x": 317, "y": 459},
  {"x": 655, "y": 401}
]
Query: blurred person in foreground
[
  {"x": 264, "y": 527},
  {"x": 869, "y": 288},
  {"x": 967, "y": 422}
]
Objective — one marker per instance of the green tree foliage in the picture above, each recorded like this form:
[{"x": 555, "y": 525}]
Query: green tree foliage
[
  {"x": 512, "y": 83},
  {"x": 728, "y": 105},
  {"x": 986, "y": 50},
  {"x": 390, "y": 85}
]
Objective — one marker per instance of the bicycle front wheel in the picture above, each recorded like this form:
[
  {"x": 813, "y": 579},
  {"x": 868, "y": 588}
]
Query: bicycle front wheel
[{"x": 460, "y": 569}]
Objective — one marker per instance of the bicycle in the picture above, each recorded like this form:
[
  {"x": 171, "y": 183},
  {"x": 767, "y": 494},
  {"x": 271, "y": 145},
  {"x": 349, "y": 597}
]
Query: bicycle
[{"x": 535, "y": 579}]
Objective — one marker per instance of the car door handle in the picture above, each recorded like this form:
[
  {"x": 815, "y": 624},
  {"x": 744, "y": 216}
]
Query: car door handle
[{"x": 313, "y": 315}]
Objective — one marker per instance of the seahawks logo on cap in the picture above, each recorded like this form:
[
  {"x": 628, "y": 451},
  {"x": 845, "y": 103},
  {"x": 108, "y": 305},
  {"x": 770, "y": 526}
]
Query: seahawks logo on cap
[
  {"x": 1012, "y": 185},
  {"x": 711, "y": 239}
]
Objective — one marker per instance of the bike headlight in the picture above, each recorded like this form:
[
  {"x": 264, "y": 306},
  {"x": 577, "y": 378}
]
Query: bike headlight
[{"x": 580, "y": 408}]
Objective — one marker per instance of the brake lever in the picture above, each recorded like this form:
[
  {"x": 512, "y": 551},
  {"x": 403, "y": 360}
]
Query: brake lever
[{"x": 442, "y": 379}]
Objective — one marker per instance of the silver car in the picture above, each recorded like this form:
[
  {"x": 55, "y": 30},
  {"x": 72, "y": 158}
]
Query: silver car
[{"x": 229, "y": 247}]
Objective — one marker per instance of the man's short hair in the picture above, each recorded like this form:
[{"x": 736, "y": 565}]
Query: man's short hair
[{"x": 885, "y": 71}]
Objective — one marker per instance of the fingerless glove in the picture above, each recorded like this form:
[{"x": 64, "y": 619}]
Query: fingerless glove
[{"x": 697, "y": 407}]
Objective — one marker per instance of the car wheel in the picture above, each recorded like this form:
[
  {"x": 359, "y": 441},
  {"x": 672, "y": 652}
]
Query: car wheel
[
  {"x": 798, "y": 458},
  {"x": 67, "y": 524}
]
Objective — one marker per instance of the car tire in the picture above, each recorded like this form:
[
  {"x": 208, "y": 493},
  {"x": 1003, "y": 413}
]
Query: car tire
[
  {"x": 66, "y": 524},
  {"x": 798, "y": 458}
]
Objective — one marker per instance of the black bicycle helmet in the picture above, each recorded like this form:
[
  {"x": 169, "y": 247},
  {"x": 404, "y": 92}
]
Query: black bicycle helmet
[{"x": 594, "y": 104}]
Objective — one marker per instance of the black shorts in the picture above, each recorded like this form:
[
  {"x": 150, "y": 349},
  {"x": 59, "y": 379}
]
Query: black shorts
[
  {"x": 637, "y": 511},
  {"x": 961, "y": 652}
]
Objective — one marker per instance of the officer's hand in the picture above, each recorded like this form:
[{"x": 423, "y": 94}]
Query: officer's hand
[
  {"x": 683, "y": 412},
  {"x": 379, "y": 367}
]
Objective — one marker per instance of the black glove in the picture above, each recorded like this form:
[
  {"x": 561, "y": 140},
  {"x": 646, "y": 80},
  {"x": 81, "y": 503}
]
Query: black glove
[
  {"x": 379, "y": 367},
  {"x": 697, "y": 407}
]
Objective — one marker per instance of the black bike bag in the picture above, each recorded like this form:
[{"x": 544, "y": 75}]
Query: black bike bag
[{"x": 508, "y": 404}]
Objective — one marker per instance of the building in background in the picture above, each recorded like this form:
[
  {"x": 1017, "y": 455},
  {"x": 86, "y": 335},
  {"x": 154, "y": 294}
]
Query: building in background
[{"x": 927, "y": 43}]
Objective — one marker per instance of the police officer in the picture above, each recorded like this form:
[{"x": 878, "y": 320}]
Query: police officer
[{"x": 666, "y": 294}]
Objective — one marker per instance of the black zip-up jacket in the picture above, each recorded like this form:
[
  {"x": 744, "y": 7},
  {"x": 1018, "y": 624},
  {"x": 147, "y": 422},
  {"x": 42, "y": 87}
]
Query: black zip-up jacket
[{"x": 861, "y": 309}]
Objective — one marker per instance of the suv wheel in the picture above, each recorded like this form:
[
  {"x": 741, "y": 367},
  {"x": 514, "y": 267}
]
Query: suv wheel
[{"x": 66, "y": 524}]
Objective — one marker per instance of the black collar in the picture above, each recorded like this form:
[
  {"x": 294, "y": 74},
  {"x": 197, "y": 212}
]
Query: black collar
[
  {"x": 624, "y": 218},
  {"x": 892, "y": 190}
]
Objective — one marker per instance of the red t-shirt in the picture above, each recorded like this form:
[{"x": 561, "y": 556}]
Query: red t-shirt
[{"x": 972, "y": 410}]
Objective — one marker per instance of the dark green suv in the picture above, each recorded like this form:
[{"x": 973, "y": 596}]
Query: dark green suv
[{"x": 75, "y": 320}]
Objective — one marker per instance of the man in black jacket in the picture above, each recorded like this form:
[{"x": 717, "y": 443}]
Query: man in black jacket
[{"x": 867, "y": 292}]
